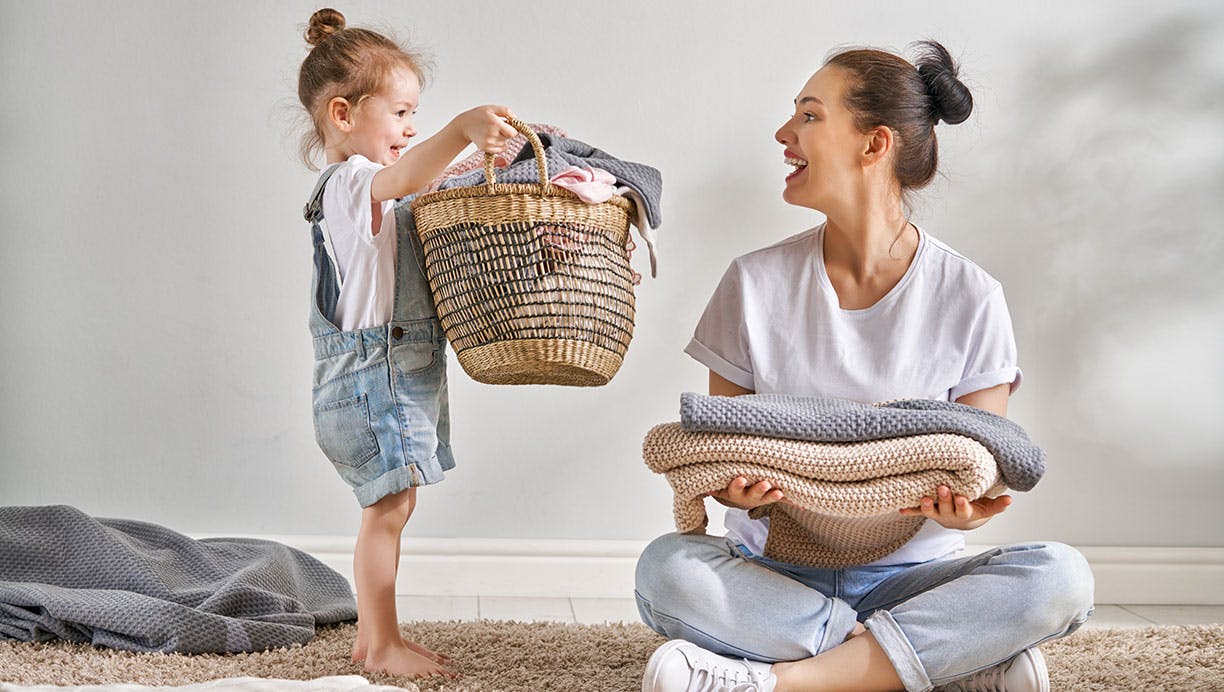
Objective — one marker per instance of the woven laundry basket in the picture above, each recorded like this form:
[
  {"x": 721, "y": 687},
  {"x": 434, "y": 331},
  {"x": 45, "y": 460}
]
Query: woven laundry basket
[{"x": 532, "y": 285}]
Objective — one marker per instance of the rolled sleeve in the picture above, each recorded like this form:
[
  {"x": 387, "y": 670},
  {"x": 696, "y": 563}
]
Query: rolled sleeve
[
  {"x": 725, "y": 369},
  {"x": 991, "y": 358},
  {"x": 1009, "y": 375},
  {"x": 355, "y": 181},
  {"x": 721, "y": 341}
]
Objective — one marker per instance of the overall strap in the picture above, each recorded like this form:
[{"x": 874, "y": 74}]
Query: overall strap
[
  {"x": 325, "y": 286},
  {"x": 313, "y": 210},
  {"x": 413, "y": 297}
]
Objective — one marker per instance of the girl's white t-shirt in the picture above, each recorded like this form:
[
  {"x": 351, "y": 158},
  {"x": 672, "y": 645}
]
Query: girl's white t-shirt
[
  {"x": 366, "y": 261},
  {"x": 774, "y": 326}
]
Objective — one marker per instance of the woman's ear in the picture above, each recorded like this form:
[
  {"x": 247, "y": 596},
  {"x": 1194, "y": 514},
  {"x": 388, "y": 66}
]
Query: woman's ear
[
  {"x": 878, "y": 143},
  {"x": 340, "y": 114}
]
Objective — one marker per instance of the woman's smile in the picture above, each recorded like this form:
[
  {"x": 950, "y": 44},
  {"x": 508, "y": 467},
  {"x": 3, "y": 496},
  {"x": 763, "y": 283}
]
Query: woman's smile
[{"x": 793, "y": 159}]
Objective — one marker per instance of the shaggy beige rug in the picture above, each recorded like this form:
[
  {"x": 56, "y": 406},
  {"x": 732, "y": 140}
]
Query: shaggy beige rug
[{"x": 513, "y": 656}]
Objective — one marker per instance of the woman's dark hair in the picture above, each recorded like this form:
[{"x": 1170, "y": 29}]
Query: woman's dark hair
[{"x": 885, "y": 89}]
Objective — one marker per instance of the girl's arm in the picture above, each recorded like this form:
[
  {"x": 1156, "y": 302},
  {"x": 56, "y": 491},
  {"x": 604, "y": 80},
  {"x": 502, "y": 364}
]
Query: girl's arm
[{"x": 419, "y": 165}]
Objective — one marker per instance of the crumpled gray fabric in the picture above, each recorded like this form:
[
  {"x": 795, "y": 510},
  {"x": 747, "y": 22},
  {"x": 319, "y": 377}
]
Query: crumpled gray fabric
[
  {"x": 1021, "y": 462},
  {"x": 138, "y": 586},
  {"x": 559, "y": 154}
]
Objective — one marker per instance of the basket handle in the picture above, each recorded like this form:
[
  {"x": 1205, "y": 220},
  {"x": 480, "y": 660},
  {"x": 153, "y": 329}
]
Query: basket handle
[{"x": 536, "y": 145}]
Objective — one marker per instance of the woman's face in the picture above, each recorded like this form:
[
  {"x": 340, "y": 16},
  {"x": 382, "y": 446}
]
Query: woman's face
[{"x": 822, "y": 144}]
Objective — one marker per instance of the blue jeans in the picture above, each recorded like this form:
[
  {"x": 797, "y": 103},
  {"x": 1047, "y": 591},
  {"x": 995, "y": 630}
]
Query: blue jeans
[{"x": 937, "y": 621}]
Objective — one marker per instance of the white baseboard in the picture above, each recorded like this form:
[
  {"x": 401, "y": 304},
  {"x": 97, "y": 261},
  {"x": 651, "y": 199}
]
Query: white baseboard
[
  {"x": 604, "y": 569},
  {"x": 1157, "y": 575},
  {"x": 495, "y": 567}
]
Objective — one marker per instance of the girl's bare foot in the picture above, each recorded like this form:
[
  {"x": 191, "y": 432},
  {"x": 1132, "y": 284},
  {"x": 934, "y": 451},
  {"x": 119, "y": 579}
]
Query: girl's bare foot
[
  {"x": 398, "y": 659},
  {"x": 359, "y": 646},
  {"x": 434, "y": 656},
  {"x": 359, "y": 651}
]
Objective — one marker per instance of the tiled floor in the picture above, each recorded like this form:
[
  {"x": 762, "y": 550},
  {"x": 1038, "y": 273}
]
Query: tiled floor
[{"x": 600, "y": 610}]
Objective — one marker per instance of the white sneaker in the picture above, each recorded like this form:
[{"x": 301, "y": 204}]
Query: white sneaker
[
  {"x": 680, "y": 666},
  {"x": 1024, "y": 673}
]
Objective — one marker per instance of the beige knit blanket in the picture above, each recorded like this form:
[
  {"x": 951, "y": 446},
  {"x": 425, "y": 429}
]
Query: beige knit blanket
[{"x": 842, "y": 498}]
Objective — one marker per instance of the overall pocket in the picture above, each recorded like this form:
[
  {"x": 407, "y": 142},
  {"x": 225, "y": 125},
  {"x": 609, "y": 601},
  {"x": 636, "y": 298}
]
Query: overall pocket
[
  {"x": 413, "y": 357},
  {"x": 342, "y": 429}
]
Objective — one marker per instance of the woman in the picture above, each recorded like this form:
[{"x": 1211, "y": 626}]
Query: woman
[{"x": 868, "y": 307}]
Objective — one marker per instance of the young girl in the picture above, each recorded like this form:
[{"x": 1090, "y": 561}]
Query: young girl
[
  {"x": 380, "y": 399},
  {"x": 865, "y": 306}
]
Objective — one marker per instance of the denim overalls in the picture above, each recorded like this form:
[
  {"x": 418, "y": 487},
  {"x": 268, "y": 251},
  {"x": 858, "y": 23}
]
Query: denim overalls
[{"x": 381, "y": 412}]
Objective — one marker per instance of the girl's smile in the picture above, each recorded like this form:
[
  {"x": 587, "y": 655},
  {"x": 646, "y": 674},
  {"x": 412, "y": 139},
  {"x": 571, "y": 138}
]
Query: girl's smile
[{"x": 381, "y": 125}]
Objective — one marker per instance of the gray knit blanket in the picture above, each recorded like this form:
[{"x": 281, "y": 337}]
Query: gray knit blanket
[
  {"x": 559, "y": 153},
  {"x": 1021, "y": 462},
  {"x": 137, "y": 586}
]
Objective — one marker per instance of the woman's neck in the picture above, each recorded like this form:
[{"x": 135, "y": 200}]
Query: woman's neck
[
  {"x": 869, "y": 242},
  {"x": 867, "y": 253}
]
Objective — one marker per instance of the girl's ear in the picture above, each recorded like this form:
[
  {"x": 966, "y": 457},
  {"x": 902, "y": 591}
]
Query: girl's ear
[
  {"x": 877, "y": 144},
  {"x": 340, "y": 114}
]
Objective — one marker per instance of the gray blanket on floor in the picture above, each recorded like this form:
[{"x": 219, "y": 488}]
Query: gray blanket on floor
[
  {"x": 137, "y": 586},
  {"x": 1021, "y": 462}
]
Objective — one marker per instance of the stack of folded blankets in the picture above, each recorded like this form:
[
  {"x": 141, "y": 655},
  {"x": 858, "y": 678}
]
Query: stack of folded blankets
[{"x": 846, "y": 468}]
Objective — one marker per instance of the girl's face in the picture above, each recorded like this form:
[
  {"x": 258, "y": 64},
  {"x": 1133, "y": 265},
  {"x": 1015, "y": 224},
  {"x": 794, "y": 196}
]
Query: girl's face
[
  {"x": 382, "y": 124},
  {"x": 822, "y": 143}
]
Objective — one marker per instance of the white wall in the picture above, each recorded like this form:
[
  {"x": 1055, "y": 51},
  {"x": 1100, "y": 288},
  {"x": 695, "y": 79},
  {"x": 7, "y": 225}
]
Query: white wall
[{"x": 154, "y": 267}]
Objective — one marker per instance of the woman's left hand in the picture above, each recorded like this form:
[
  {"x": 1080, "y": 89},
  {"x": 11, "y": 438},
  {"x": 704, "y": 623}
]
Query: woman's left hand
[{"x": 957, "y": 512}]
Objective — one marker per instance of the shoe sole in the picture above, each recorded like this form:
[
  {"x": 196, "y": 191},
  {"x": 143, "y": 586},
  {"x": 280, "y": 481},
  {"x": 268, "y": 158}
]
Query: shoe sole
[
  {"x": 650, "y": 677},
  {"x": 1043, "y": 673}
]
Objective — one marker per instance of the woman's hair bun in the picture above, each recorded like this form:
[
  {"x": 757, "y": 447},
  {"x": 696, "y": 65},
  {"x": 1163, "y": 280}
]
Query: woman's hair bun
[
  {"x": 951, "y": 101},
  {"x": 323, "y": 23}
]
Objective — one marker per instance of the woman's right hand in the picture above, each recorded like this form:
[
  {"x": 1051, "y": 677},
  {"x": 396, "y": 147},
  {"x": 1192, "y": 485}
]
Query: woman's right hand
[{"x": 740, "y": 495}]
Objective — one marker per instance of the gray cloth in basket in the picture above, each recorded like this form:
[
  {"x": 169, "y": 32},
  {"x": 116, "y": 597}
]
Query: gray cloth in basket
[
  {"x": 561, "y": 153},
  {"x": 137, "y": 586},
  {"x": 1021, "y": 462}
]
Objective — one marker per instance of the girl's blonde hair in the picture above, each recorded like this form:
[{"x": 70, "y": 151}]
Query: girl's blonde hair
[{"x": 350, "y": 63}]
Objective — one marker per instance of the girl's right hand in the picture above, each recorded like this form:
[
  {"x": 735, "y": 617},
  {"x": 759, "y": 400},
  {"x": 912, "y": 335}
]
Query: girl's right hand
[
  {"x": 486, "y": 127},
  {"x": 740, "y": 495}
]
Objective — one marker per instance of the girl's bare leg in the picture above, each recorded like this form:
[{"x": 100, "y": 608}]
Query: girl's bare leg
[
  {"x": 359, "y": 647},
  {"x": 375, "y": 563}
]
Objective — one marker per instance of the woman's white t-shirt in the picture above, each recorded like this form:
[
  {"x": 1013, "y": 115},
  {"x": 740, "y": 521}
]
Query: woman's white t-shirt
[
  {"x": 774, "y": 326},
  {"x": 365, "y": 260}
]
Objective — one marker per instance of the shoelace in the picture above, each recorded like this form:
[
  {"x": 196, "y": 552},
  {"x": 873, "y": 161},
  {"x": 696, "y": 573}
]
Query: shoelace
[{"x": 717, "y": 679}]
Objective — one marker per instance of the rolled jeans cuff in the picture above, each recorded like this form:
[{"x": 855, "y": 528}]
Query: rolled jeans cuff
[
  {"x": 840, "y": 624},
  {"x": 900, "y": 652}
]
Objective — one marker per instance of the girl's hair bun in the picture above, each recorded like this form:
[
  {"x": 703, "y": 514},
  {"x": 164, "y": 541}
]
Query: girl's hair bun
[
  {"x": 323, "y": 23},
  {"x": 951, "y": 101}
]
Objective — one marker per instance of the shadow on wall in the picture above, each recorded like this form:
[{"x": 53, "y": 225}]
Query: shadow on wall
[{"x": 1109, "y": 229}]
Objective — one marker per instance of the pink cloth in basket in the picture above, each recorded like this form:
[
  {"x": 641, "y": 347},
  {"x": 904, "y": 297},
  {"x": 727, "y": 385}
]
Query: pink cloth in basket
[{"x": 592, "y": 185}]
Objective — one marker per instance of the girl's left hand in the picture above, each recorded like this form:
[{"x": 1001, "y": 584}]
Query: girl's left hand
[{"x": 957, "y": 512}]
